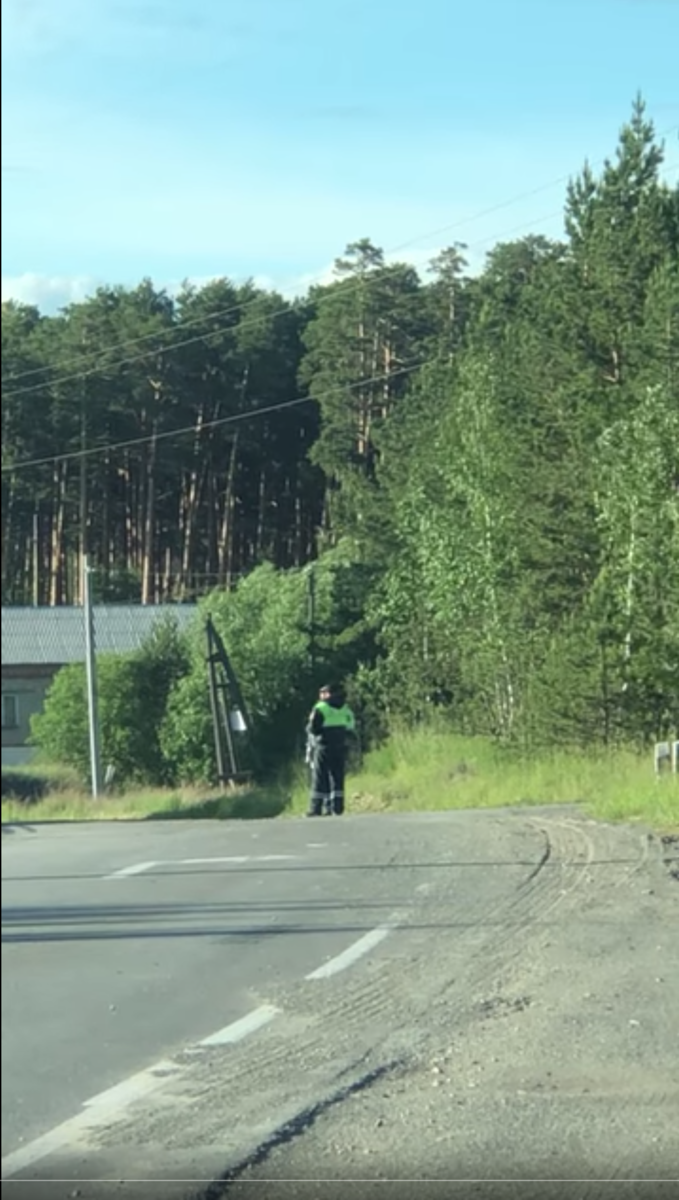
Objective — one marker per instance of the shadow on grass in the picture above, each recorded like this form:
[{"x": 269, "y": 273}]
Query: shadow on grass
[
  {"x": 232, "y": 806},
  {"x": 24, "y": 788}
]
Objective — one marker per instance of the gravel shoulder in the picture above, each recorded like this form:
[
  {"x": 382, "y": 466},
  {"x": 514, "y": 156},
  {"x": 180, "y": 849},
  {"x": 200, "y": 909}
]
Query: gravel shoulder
[
  {"x": 556, "y": 1071},
  {"x": 522, "y": 1027}
]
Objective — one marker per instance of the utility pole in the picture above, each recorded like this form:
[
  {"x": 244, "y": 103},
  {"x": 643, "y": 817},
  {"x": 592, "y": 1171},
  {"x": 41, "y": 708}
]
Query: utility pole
[
  {"x": 311, "y": 597},
  {"x": 36, "y": 557},
  {"x": 229, "y": 714},
  {"x": 92, "y": 698},
  {"x": 83, "y": 547},
  {"x": 217, "y": 724}
]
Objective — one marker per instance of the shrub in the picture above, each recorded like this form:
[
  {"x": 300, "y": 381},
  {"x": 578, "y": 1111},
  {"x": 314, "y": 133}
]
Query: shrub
[{"x": 133, "y": 691}]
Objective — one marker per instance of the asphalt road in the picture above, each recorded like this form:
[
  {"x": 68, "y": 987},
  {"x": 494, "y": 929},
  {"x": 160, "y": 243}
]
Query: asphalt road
[
  {"x": 104, "y": 972},
  {"x": 176, "y": 994}
]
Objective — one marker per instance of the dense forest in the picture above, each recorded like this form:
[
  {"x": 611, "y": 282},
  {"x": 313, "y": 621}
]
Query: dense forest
[{"x": 496, "y": 457}]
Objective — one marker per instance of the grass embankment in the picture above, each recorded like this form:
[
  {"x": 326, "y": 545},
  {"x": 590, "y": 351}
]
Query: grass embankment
[
  {"x": 427, "y": 770},
  {"x": 54, "y": 794},
  {"x": 419, "y": 770}
]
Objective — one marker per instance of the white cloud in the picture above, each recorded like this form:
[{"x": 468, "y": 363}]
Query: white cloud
[
  {"x": 51, "y": 292},
  {"x": 48, "y": 292}
]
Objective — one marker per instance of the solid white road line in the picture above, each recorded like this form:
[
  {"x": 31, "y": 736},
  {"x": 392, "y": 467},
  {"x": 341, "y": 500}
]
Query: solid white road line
[
  {"x": 237, "y": 1030},
  {"x": 199, "y": 862},
  {"x": 125, "y": 873},
  {"x": 353, "y": 952},
  {"x": 233, "y": 859},
  {"x": 240, "y": 858},
  {"x": 97, "y": 1112},
  {"x": 135, "y": 869},
  {"x": 110, "y": 1105}
]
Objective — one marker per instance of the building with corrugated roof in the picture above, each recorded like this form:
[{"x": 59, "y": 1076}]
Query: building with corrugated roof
[{"x": 37, "y": 642}]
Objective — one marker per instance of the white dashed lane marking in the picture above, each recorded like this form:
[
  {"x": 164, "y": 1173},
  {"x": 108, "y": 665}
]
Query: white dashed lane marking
[
  {"x": 230, "y": 860},
  {"x": 106, "y": 1106},
  {"x": 96, "y": 1113},
  {"x": 135, "y": 869},
  {"x": 357, "y": 949},
  {"x": 237, "y": 1030},
  {"x": 110, "y": 1104},
  {"x": 242, "y": 858}
]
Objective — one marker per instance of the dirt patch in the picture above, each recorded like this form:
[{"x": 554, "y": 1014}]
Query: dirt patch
[{"x": 548, "y": 1067}]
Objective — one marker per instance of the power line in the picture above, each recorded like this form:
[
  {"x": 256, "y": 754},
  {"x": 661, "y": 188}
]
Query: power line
[
  {"x": 217, "y": 423},
  {"x": 225, "y": 312},
  {"x": 236, "y": 417},
  {"x": 206, "y": 336},
  {"x": 186, "y": 323},
  {"x": 244, "y": 306}
]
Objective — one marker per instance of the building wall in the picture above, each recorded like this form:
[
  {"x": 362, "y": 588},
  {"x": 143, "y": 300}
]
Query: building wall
[{"x": 28, "y": 686}]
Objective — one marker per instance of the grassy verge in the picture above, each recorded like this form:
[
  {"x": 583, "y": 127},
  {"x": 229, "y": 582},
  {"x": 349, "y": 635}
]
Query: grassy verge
[
  {"x": 427, "y": 770},
  {"x": 416, "y": 771},
  {"x": 60, "y": 798}
]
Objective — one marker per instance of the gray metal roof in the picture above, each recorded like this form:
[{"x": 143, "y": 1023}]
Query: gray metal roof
[{"x": 35, "y": 636}]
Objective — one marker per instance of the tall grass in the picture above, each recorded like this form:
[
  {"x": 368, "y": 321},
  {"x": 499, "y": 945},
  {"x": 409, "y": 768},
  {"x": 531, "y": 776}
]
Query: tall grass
[
  {"x": 426, "y": 769},
  {"x": 69, "y": 803},
  {"x": 416, "y": 770}
]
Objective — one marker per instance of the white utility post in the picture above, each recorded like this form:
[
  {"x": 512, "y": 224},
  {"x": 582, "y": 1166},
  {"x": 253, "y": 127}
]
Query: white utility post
[
  {"x": 666, "y": 754},
  {"x": 92, "y": 699}
]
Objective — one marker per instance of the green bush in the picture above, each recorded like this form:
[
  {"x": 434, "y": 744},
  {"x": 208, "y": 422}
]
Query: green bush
[
  {"x": 263, "y": 624},
  {"x": 133, "y": 693},
  {"x": 154, "y": 706}
]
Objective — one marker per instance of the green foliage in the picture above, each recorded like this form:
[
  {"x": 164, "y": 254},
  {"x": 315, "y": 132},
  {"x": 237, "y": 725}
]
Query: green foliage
[
  {"x": 264, "y": 624},
  {"x": 533, "y": 585},
  {"x": 363, "y": 338},
  {"x": 133, "y": 694},
  {"x": 485, "y": 476},
  {"x": 198, "y": 495},
  {"x": 23, "y": 787},
  {"x": 434, "y": 768}
]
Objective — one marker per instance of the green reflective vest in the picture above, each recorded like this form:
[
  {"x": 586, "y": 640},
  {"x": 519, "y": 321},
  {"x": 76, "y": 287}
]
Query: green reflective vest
[{"x": 335, "y": 718}]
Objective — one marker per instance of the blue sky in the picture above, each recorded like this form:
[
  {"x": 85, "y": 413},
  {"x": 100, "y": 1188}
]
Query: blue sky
[{"x": 195, "y": 138}]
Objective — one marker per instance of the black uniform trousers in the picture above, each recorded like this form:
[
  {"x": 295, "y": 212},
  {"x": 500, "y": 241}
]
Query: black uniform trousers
[{"x": 327, "y": 783}]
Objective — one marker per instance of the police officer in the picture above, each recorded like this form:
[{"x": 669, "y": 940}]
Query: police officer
[{"x": 330, "y": 721}]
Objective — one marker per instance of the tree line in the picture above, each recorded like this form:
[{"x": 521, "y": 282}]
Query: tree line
[{"x": 495, "y": 458}]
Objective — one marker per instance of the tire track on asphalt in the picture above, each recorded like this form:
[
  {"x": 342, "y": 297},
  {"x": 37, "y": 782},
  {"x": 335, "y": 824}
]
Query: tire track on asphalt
[
  {"x": 363, "y": 1005},
  {"x": 611, "y": 874},
  {"x": 345, "y": 1036},
  {"x": 574, "y": 848},
  {"x": 535, "y": 895}
]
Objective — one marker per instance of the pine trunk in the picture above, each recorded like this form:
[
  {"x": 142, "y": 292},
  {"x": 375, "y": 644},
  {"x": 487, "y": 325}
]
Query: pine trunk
[
  {"x": 226, "y": 534},
  {"x": 7, "y": 522},
  {"x": 58, "y": 518},
  {"x": 148, "y": 561}
]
